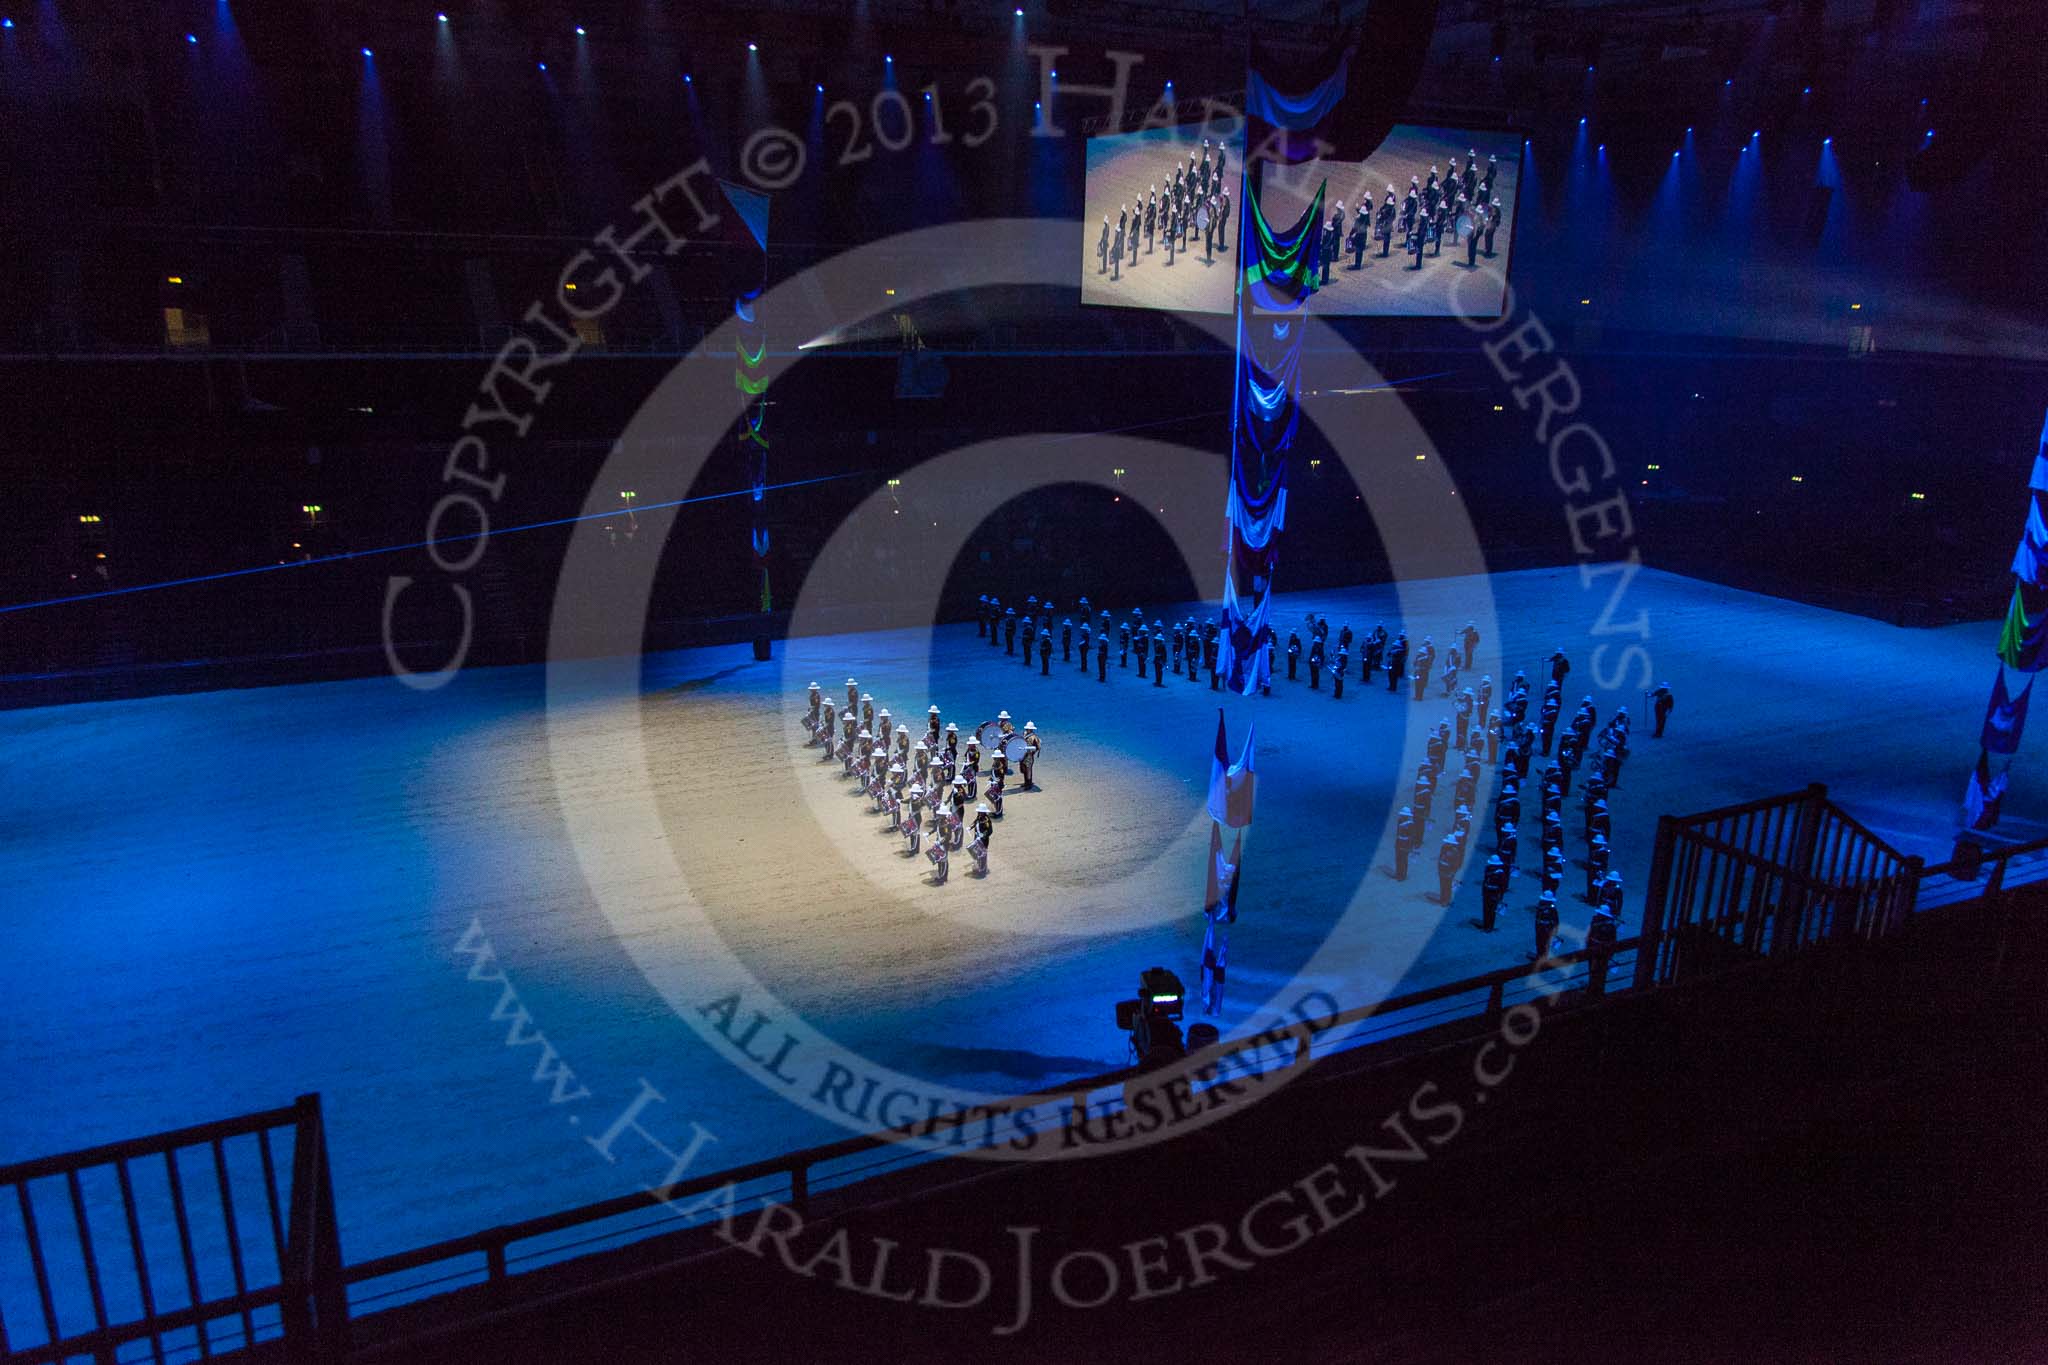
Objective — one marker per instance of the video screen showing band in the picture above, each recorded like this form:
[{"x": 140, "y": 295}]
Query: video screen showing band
[
  {"x": 1157, "y": 229},
  {"x": 1421, "y": 228}
]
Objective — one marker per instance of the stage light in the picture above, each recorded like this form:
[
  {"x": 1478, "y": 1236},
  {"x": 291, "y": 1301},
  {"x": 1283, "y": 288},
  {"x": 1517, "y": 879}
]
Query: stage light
[
  {"x": 1729, "y": 81},
  {"x": 174, "y": 279},
  {"x": 1918, "y": 497},
  {"x": 1582, "y": 120},
  {"x": 1808, "y": 90},
  {"x": 1500, "y": 407},
  {"x": 686, "y": 76},
  {"x": 543, "y": 66},
  {"x": 1799, "y": 478},
  {"x": 1602, "y": 147},
  {"x": 6, "y": 23},
  {"x": 441, "y": 18},
  {"x": 1653, "y": 467},
  {"x": 1755, "y": 135},
  {"x": 1674, "y": 156},
  {"x": 1589, "y": 71},
  {"x": 1930, "y": 132},
  {"x": 190, "y": 37},
  {"x": 753, "y": 47},
  {"x": 890, "y": 292},
  {"x": 579, "y": 30},
  {"x": 90, "y": 518},
  {"x": 821, "y": 88},
  {"x": 1020, "y": 14},
  {"x": 1585, "y": 303},
  {"x": 888, "y": 60},
  {"x": 1825, "y": 141},
  {"x": 366, "y": 52},
  {"x": 1422, "y": 457},
  {"x": 1855, "y": 307}
]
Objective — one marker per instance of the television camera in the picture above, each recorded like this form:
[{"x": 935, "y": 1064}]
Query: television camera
[{"x": 1149, "y": 1018}]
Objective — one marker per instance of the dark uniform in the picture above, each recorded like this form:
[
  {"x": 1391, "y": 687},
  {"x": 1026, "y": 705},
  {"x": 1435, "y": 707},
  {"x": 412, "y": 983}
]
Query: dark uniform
[
  {"x": 1293, "y": 653},
  {"x": 1407, "y": 837},
  {"x": 1546, "y": 924},
  {"x": 1424, "y": 657},
  {"x": 1600, "y": 936},
  {"x": 1045, "y": 654},
  {"x": 1493, "y": 886},
  {"x": 1548, "y": 717},
  {"x": 1337, "y": 673},
  {"x": 1448, "y": 855},
  {"x": 1661, "y": 703},
  {"x": 1066, "y": 639},
  {"x": 1397, "y": 662},
  {"x": 1159, "y": 660},
  {"x": 1598, "y": 857},
  {"x": 1010, "y": 631}
]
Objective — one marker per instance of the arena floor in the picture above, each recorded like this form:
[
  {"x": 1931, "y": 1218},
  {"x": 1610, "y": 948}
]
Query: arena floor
[{"x": 215, "y": 902}]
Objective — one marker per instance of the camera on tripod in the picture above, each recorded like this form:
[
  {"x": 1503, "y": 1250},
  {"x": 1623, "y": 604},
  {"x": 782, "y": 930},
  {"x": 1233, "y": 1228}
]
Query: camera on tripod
[{"x": 1149, "y": 1019}]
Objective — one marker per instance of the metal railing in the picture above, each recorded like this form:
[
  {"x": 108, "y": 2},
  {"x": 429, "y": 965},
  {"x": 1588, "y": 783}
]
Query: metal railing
[
  {"x": 491, "y": 1257},
  {"x": 310, "y": 1295},
  {"x": 175, "y": 1232}
]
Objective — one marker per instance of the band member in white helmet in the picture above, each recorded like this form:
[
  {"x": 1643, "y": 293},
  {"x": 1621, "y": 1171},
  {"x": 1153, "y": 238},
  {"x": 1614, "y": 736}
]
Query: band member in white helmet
[
  {"x": 957, "y": 823},
  {"x": 811, "y": 720},
  {"x": 932, "y": 726},
  {"x": 867, "y": 710},
  {"x": 884, "y": 726},
  {"x": 984, "y": 826},
  {"x": 852, "y": 695},
  {"x": 1003, "y": 723},
  {"x": 1026, "y": 764},
  {"x": 998, "y": 774},
  {"x": 912, "y": 820}
]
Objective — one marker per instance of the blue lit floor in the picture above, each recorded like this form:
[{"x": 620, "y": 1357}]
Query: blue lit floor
[{"x": 215, "y": 902}]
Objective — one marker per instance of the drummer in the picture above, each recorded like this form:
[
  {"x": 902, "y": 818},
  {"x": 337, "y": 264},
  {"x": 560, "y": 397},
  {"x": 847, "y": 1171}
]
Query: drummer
[
  {"x": 1029, "y": 761},
  {"x": 932, "y": 724},
  {"x": 998, "y": 774},
  {"x": 1003, "y": 721},
  {"x": 984, "y": 826}
]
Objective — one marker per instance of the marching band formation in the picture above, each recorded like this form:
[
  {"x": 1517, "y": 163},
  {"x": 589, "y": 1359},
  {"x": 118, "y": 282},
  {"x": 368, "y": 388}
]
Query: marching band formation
[
  {"x": 1196, "y": 205},
  {"x": 1474, "y": 734},
  {"x": 938, "y": 775},
  {"x": 1459, "y": 204}
]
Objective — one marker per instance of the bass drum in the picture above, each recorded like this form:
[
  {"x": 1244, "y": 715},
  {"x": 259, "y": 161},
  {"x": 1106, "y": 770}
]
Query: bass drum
[
  {"x": 1014, "y": 749},
  {"x": 988, "y": 734},
  {"x": 1465, "y": 226}
]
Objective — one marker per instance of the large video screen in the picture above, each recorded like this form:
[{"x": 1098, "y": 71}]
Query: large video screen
[
  {"x": 1439, "y": 229},
  {"x": 1159, "y": 229}
]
